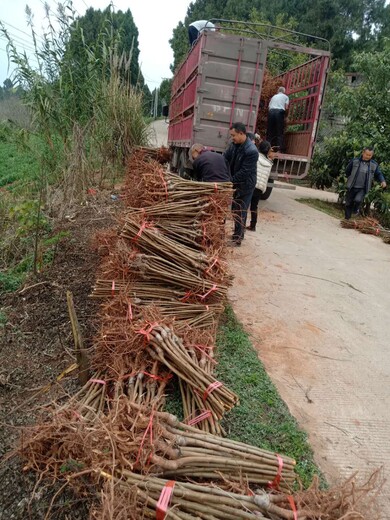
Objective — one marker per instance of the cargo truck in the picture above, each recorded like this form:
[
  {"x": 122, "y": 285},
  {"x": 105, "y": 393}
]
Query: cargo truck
[{"x": 220, "y": 82}]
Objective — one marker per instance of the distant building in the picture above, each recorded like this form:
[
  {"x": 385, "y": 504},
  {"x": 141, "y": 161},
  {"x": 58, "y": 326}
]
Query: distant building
[{"x": 354, "y": 79}]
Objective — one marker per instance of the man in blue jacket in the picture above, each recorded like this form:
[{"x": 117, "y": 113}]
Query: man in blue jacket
[
  {"x": 242, "y": 157},
  {"x": 361, "y": 171}
]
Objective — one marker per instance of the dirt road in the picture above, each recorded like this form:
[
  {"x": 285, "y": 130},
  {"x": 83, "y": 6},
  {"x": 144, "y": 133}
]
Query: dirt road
[{"x": 315, "y": 299}]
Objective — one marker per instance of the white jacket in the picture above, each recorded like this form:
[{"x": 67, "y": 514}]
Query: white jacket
[{"x": 264, "y": 166}]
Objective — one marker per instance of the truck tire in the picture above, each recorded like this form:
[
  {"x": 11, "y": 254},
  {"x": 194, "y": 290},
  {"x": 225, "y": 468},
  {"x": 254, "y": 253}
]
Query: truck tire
[
  {"x": 266, "y": 195},
  {"x": 182, "y": 166}
]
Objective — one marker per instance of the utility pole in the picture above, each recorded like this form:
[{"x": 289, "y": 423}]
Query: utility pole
[{"x": 155, "y": 111}]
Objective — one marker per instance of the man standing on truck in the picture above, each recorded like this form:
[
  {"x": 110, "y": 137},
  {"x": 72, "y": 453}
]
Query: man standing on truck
[
  {"x": 195, "y": 28},
  {"x": 242, "y": 157},
  {"x": 209, "y": 166},
  {"x": 277, "y": 110},
  {"x": 361, "y": 171}
]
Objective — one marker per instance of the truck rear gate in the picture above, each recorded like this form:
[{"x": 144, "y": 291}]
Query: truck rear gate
[
  {"x": 305, "y": 86},
  {"x": 219, "y": 83}
]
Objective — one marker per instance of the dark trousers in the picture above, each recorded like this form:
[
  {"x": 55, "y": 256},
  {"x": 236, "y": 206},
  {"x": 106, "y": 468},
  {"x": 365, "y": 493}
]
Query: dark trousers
[
  {"x": 193, "y": 34},
  {"x": 353, "y": 200},
  {"x": 275, "y": 128},
  {"x": 254, "y": 204},
  {"x": 240, "y": 207}
]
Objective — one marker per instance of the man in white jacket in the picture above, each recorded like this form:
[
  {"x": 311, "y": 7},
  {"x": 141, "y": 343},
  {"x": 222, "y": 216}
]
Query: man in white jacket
[{"x": 264, "y": 165}]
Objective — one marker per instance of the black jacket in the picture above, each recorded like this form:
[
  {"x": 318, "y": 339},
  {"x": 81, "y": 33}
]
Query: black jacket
[
  {"x": 211, "y": 167},
  {"x": 242, "y": 159}
]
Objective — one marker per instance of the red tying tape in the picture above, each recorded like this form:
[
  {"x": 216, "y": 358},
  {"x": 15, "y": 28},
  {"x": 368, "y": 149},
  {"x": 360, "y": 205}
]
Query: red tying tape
[
  {"x": 293, "y": 506},
  {"x": 201, "y": 417},
  {"x": 144, "y": 225},
  {"x": 214, "y": 288},
  {"x": 164, "y": 500},
  {"x": 211, "y": 388},
  {"x": 203, "y": 348},
  {"x": 276, "y": 481},
  {"x": 99, "y": 381},
  {"x": 146, "y": 332},
  {"x": 149, "y": 428},
  {"x": 187, "y": 296},
  {"x": 113, "y": 288},
  {"x": 157, "y": 378},
  {"x": 216, "y": 260}
]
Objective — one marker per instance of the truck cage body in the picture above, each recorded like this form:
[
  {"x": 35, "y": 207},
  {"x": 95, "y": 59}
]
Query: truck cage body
[{"x": 220, "y": 82}]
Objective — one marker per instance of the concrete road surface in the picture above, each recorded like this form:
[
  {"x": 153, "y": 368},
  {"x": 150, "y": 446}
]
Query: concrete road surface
[
  {"x": 159, "y": 133},
  {"x": 315, "y": 299}
]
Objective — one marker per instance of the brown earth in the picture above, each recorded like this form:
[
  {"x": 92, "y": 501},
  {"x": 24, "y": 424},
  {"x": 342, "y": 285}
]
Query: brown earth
[{"x": 36, "y": 346}]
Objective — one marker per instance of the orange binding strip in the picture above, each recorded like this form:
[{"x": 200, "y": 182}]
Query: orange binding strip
[
  {"x": 211, "y": 388},
  {"x": 276, "y": 481},
  {"x": 149, "y": 429},
  {"x": 201, "y": 417},
  {"x": 164, "y": 500},
  {"x": 214, "y": 288},
  {"x": 146, "y": 332},
  {"x": 293, "y": 506}
]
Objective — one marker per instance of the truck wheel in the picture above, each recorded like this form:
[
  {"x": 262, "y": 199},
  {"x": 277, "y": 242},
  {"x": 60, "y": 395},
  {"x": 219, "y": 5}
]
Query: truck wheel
[
  {"x": 266, "y": 195},
  {"x": 182, "y": 169},
  {"x": 181, "y": 165}
]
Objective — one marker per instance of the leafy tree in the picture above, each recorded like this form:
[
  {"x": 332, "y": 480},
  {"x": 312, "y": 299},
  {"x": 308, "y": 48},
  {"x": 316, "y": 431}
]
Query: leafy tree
[
  {"x": 101, "y": 31},
  {"x": 165, "y": 91},
  {"x": 348, "y": 24},
  {"x": 368, "y": 119}
]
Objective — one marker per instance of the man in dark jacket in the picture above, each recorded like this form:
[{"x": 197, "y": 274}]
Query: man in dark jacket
[
  {"x": 242, "y": 157},
  {"x": 209, "y": 166},
  {"x": 361, "y": 171}
]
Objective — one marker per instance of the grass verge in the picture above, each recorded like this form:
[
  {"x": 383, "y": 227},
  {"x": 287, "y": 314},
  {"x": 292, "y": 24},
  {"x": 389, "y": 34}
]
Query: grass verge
[
  {"x": 330, "y": 208},
  {"x": 262, "y": 418}
]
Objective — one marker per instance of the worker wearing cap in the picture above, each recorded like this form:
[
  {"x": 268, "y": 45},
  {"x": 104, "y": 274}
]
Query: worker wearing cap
[{"x": 197, "y": 27}]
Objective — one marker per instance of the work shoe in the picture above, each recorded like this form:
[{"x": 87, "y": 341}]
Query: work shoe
[{"x": 251, "y": 228}]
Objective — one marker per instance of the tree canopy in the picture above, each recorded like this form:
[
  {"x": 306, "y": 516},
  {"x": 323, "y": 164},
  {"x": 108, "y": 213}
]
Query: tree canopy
[
  {"x": 102, "y": 32},
  {"x": 349, "y": 25},
  {"x": 367, "y": 117}
]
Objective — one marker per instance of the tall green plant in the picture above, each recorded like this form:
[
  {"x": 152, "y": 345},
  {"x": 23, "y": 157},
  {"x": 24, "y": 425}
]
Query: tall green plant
[{"x": 87, "y": 106}]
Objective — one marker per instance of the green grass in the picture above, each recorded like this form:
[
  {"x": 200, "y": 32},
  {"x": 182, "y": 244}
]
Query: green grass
[
  {"x": 330, "y": 208},
  {"x": 262, "y": 418},
  {"x": 10, "y": 281},
  {"x": 16, "y": 165}
]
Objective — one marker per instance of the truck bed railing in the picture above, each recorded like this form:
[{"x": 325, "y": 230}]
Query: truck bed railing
[{"x": 273, "y": 33}]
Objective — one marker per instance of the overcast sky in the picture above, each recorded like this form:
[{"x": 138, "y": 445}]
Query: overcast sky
[{"x": 155, "y": 20}]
